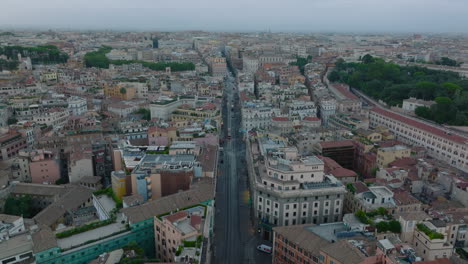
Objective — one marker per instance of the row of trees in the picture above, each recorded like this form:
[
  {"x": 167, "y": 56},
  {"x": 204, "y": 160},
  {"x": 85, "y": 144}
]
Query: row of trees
[
  {"x": 159, "y": 66},
  {"x": 44, "y": 54},
  {"x": 392, "y": 84},
  {"x": 98, "y": 59}
]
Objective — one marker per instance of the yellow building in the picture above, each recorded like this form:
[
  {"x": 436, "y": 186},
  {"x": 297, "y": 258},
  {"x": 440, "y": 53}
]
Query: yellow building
[
  {"x": 390, "y": 154},
  {"x": 49, "y": 76},
  {"x": 118, "y": 183},
  {"x": 373, "y": 136},
  {"x": 120, "y": 91},
  {"x": 187, "y": 113}
]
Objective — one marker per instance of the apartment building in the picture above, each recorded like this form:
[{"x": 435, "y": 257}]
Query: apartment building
[
  {"x": 332, "y": 243},
  {"x": 369, "y": 198},
  {"x": 162, "y": 175},
  {"x": 44, "y": 167},
  {"x": 257, "y": 116},
  {"x": 10, "y": 145},
  {"x": 298, "y": 110},
  {"x": 440, "y": 143},
  {"x": 77, "y": 105},
  {"x": 217, "y": 66},
  {"x": 52, "y": 117},
  {"x": 341, "y": 151},
  {"x": 387, "y": 155},
  {"x": 290, "y": 189},
  {"x": 412, "y": 103},
  {"x": 328, "y": 108},
  {"x": 429, "y": 247},
  {"x": 179, "y": 229},
  {"x": 118, "y": 180},
  {"x": 250, "y": 64}
]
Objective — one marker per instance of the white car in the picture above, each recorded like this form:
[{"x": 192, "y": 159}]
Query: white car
[{"x": 264, "y": 248}]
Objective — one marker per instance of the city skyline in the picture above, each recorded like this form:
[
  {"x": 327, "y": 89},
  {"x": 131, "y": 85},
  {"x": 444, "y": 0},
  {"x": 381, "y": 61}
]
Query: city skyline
[{"x": 299, "y": 16}]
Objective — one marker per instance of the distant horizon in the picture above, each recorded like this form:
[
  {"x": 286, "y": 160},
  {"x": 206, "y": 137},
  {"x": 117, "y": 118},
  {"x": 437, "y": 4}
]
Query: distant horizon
[
  {"x": 397, "y": 16},
  {"x": 31, "y": 28}
]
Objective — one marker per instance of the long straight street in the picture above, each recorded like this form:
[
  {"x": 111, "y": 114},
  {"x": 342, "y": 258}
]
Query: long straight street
[{"x": 235, "y": 240}]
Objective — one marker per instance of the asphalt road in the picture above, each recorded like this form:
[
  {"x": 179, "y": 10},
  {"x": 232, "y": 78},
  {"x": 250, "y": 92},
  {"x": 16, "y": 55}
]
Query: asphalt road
[{"x": 235, "y": 238}]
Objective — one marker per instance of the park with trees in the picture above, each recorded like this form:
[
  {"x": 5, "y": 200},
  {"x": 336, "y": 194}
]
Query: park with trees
[
  {"x": 98, "y": 59},
  {"x": 392, "y": 84},
  {"x": 43, "y": 54}
]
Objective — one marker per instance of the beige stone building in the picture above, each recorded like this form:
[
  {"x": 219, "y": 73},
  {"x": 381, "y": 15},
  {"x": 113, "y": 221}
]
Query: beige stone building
[{"x": 390, "y": 154}]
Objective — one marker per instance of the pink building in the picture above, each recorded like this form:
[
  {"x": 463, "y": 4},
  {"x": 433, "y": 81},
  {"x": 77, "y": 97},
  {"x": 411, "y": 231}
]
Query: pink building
[{"x": 44, "y": 167}]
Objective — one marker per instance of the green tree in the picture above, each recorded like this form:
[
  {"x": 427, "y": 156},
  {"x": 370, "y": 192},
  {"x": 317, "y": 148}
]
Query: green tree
[
  {"x": 452, "y": 89},
  {"x": 334, "y": 76},
  {"x": 394, "y": 226},
  {"x": 21, "y": 206},
  {"x": 367, "y": 59},
  {"x": 123, "y": 90},
  {"x": 423, "y": 111},
  {"x": 12, "y": 120},
  {"x": 145, "y": 113},
  {"x": 382, "y": 226}
]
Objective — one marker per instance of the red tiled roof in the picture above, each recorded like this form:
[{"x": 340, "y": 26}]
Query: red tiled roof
[
  {"x": 344, "y": 91},
  {"x": 414, "y": 123},
  {"x": 330, "y": 164},
  {"x": 176, "y": 216},
  {"x": 195, "y": 220},
  {"x": 280, "y": 118},
  {"x": 403, "y": 162},
  {"x": 404, "y": 198},
  {"x": 338, "y": 143},
  {"x": 343, "y": 172},
  {"x": 360, "y": 187},
  {"x": 311, "y": 118},
  {"x": 437, "y": 261}
]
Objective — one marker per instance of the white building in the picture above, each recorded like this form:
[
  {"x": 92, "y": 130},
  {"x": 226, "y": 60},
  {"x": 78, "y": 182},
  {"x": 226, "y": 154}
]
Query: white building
[
  {"x": 77, "y": 105},
  {"x": 250, "y": 64},
  {"x": 300, "y": 109},
  {"x": 258, "y": 116},
  {"x": 412, "y": 103},
  {"x": 439, "y": 142},
  {"x": 291, "y": 189},
  {"x": 327, "y": 108},
  {"x": 52, "y": 117}
]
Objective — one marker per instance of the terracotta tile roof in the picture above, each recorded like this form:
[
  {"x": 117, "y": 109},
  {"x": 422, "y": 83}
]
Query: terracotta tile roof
[
  {"x": 306, "y": 239},
  {"x": 343, "y": 89},
  {"x": 311, "y": 118},
  {"x": 360, "y": 187},
  {"x": 343, "y": 172},
  {"x": 437, "y": 261},
  {"x": 404, "y": 198},
  {"x": 344, "y": 252},
  {"x": 403, "y": 162},
  {"x": 419, "y": 125},
  {"x": 199, "y": 192},
  {"x": 335, "y": 144},
  {"x": 195, "y": 220},
  {"x": 280, "y": 118},
  {"x": 179, "y": 215}
]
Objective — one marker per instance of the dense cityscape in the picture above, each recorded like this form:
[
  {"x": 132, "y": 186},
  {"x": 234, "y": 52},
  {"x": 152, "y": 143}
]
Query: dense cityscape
[{"x": 224, "y": 147}]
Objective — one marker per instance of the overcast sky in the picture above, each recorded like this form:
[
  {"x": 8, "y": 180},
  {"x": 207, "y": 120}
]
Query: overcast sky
[{"x": 240, "y": 15}]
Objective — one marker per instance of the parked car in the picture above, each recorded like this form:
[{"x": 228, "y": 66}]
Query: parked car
[{"x": 264, "y": 248}]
